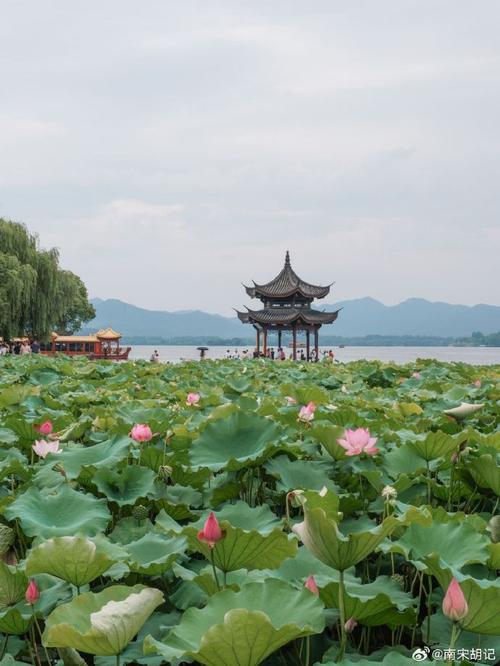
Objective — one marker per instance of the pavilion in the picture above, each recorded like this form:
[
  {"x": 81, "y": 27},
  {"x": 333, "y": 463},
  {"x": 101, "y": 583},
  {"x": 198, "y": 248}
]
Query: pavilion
[{"x": 287, "y": 303}]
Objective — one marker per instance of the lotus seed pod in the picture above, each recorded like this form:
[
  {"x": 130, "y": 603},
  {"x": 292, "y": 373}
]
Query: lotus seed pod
[
  {"x": 6, "y": 538},
  {"x": 140, "y": 512},
  {"x": 165, "y": 472},
  {"x": 399, "y": 579}
]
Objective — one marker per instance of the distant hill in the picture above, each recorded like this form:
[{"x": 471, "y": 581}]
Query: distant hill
[
  {"x": 359, "y": 317},
  {"x": 415, "y": 316},
  {"x": 132, "y": 321}
]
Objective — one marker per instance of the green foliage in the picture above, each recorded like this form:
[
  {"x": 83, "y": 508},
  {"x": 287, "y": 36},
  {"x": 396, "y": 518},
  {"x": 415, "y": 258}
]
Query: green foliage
[
  {"x": 109, "y": 537},
  {"x": 36, "y": 296}
]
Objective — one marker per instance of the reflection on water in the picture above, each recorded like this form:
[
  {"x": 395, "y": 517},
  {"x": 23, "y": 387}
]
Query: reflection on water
[{"x": 473, "y": 355}]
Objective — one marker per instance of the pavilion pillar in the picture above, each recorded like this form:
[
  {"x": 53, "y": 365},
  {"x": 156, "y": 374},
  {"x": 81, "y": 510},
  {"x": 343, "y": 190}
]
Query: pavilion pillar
[
  {"x": 308, "y": 345},
  {"x": 257, "y": 342},
  {"x": 264, "y": 342},
  {"x": 294, "y": 342},
  {"x": 279, "y": 338},
  {"x": 316, "y": 343}
]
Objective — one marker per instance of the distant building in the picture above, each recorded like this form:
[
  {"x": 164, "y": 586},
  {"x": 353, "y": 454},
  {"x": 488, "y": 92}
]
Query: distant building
[{"x": 287, "y": 307}]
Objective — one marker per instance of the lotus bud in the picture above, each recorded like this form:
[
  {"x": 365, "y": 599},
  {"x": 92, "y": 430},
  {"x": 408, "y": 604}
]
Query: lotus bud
[
  {"x": 44, "y": 428},
  {"x": 416, "y": 375},
  {"x": 454, "y": 603},
  {"x": 310, "y": 584},
  {"x": 165, "y": 472},
  {"x": 454, "y": 458},
  {"x": 141, "y": 433},
  {"x": 140, "y": 512},
  {"x": 6, "y": 538},
  {"x": 211, "y": 532},
  {"x": 290, "y": 401},
  {"x": 350, "y": 625},
  {"x": 477, "y": 383},
  {"x": 32, "y": 592}
]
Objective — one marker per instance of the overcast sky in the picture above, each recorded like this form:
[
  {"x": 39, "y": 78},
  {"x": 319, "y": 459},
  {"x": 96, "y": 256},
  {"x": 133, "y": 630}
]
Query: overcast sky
[{"x": 172, "y": 150}]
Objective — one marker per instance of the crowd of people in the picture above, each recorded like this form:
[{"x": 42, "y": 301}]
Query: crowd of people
[
  {"x": 280, "y": 354},
  {"x": 19, "y": 347}
]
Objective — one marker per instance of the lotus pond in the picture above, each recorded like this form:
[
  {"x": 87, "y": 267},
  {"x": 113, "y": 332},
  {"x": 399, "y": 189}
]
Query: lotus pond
[{"x": 239, "y": 513}]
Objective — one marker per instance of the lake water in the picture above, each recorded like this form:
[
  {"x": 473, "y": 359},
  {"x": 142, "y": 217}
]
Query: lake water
[{"x": 473, "y": 355}]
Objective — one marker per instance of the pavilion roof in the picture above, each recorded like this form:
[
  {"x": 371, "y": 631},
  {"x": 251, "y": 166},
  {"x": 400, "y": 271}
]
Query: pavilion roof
[
  {"x": 287, "y": 283},
  {"x": 287, "y": 316},
  {"x": 108, "y": 334}
]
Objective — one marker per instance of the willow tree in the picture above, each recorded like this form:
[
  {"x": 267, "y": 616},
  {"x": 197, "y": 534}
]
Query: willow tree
[{"x": 36, "y": 296}]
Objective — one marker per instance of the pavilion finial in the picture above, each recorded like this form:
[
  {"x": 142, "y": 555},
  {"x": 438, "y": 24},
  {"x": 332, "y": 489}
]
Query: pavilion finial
[{"x": 287, "y": 258}]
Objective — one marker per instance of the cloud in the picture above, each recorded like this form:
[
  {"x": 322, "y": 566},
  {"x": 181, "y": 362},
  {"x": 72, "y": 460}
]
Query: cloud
[{"x": 173, "y": 151}]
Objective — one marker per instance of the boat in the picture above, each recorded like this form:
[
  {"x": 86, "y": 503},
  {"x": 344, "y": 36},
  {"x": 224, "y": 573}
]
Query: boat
[{"x": 105, "y": 344}]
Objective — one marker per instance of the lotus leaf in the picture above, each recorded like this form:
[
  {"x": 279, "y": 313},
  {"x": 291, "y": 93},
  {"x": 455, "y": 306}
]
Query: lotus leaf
[
  {"x": 322, "y": 536},
  {"x": 124, "y": 487},
  {"x": 76, "y": 560},
  {"x": 486, "y": 472},
  {"x": 102, "y": 623},
  {"x": 328, "y": 435},
  {"x": 435, "y": 445},
  {"x": 455, "y": 543},
  {"x": 233, "y": 442},
  {"x": 12, "y": 585},
  {"x": 153, "y": 554},
  {"x": 105, "y": 454},
  {"x": 64, "y": 513},
  {"x": 380, "y": 602},
  {"x": 307, "y": 474},
  {"x": 464, "y": 410},
  {"x": 242, "y": 627}
]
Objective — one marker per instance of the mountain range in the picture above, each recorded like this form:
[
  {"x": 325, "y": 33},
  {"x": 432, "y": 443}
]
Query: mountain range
[{"x": 358, "y": 317}]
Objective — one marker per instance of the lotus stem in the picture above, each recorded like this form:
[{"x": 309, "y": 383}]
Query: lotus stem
[
  {"x": 455, "y": 631},
  {"x": 117, "y": 660},
  {"x": 450, "y": 489},
  {"x": 37, "y": 625},
  {"x": 428, "y": 483},
  {"x": 429, "y": 608},
  {"x": 343, "y": 633},
  {"x": 308, "y": 651},
  {"x": 4, "y": 645},
  {"x": 212, "y": 560}
]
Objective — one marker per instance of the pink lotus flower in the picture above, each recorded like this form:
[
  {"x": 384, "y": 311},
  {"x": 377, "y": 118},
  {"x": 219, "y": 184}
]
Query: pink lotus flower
[
  {"x": 306, "y": 413},
  {"x": 43, "y": 448},
  {"x": 211, "y": 532},
  {"x": 477, "y": 383},
  {"x": 311, "y": 585},
  {"x": 290, "y": 401},
  {"x": 193, "y": 399},
  {"x": 32, "y": 592},
  {"x": 358, "y": 441},
  {"x": 416, "y": 375},
  {"x": 141, "y": 433},
  {"x": 350, "y": 625},
  {"x": 44, "y": 428},
  {"x": 454, "y": 604}
]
